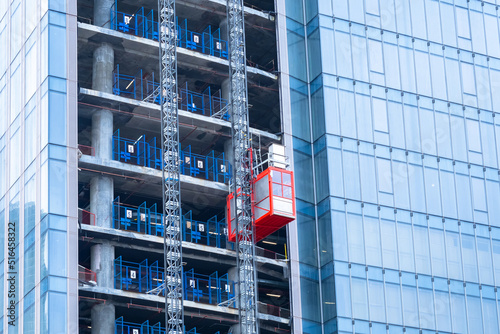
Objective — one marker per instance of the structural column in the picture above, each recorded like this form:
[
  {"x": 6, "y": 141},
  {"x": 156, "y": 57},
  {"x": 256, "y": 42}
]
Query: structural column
[
  {"x": 102, "y": 134},
  {"x": 235, "y": 329},
  {"x": 232, "y": 275},
  {"x": 102, "y": 12},
  {"x": 223, "y": 30},
  {"x": 101, "y": 187},
  {"x": 103, "y": 318},
  {"x": 102, "y": 81},
  {"x": 102, "y": 68}
]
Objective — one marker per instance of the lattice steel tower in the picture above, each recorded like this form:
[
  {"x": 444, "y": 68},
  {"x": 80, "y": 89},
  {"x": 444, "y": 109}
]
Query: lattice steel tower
[
  {"x": 174, "y": 313},
  {"x": 242, "y": 171}
]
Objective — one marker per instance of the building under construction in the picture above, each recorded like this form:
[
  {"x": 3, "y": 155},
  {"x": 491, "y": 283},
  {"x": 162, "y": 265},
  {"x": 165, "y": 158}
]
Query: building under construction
[
  {"x": 152, "y": 152},
  {"x": 144, "y": 106},
  {"x": 126, "y": 271}
]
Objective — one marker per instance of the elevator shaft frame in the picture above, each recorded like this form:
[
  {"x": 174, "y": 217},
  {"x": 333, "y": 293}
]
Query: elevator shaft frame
[
  {"x": 174, "y": 307},
  {"x": 242, "y": 169}
]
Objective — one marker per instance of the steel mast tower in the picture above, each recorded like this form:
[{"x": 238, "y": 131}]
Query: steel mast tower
[
  {"x": 174, "y": 311},
  {"x": 242, "y": 169}
]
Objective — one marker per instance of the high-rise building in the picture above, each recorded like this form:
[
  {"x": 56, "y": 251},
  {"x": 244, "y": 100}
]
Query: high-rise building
[
  {"x": 386, "y": 109},
  {"x": 394, "y": 108},
  {"x": 81, "y": 224}
]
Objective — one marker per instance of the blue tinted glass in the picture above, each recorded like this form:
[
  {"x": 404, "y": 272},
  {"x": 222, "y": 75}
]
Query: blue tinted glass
[{"x": 408, "y": 153}]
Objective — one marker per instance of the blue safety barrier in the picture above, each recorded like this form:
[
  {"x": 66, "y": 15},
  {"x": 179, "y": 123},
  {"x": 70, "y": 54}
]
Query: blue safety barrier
[
  {"x": 132, "y": 276},
  {"x": 142, "y": 23},
  {"x": 141, "y": 277},
  {"x": 146, "y": 219},
  {"x": 208, "y": 103},
  {"x": 123, "y": 327},
  {"x": 126, "y": 85},
  {"x": 204, "y": 103},
  {"x": 141, "y": 152},
  {"x": 213, "y": 232},
  {"x": 208, "y": 42}
]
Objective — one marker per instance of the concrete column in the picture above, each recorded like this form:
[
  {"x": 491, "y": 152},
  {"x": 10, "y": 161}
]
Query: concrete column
[
  {"x": 102, "y": 133},
  {"x": 232, "y": 275},
  {"x": 228, "y": 151},
  {"x": 101, "y": 200},
  {"x": 101, "y": 188},
  {"x": 226, "y": 89},
  {"x": 223, "y": 30},
  {"x": 103, "y": 318},
  {"x": 102, "y": 120},
  {"x": 102, "y": 68},
  {"x": 102, "y": 12},
  {"x": 102, "y": 258},
  {"x": 235, "y": 329},
  {"x": 101, "y": 204}
]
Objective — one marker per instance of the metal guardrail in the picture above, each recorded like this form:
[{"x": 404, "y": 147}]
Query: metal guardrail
[
  {"x": 86, "y": 217},
  {"x": 144, "y": 87},
  {"x": 142, "y": 23},
  {"x": 86, "y": 276},
  {"x": 141, "y": 152}
]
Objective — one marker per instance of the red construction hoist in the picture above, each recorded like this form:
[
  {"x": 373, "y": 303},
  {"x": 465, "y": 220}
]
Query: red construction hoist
[{"x": 272, "y": 195}]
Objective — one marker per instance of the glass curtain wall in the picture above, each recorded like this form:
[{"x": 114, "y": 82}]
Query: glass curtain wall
[
  {"x": 394, "y": 107},
  {"x": 37, "y": 149}
]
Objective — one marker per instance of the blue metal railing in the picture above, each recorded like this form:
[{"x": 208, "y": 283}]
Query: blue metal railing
[
  {"x": 146, "y": 219},
  {"x": 142, "y": 23},
  {"x": 127, "y": 85},
  {"x": 123, "y": 327},
  {"x": 213, "y": 232},
  {"x": 141, "y": 277},
  {"x": 208, "y": 102},
  {"x": 213, "y": 167}
]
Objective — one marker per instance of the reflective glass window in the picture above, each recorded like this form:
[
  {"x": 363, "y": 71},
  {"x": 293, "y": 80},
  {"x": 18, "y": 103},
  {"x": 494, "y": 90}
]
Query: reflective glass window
[
  {"x": 355, "y": 238},
  {"x": 437, "y": 252},
  {"x": 410, "y": 309},
  {"x": 389, "y": 243},
  {"x": 372, "y": 242},
  {"x": 423, "y": 72},
  {"x": 359, "y": 298},
  {"x": 405, "y": 247},
  {"x": 351, "y": 173},
  {"x": 491, "y": 316},
  {"x": 474, "y": 314},
  {"x": 342, "y": 291},
  {"x": 391, "y": 57},
  {"x": 469, "y": 258},
  {"x": 426, "y": 308},
  {"x": 443, "y": 311},
  {"x": 309, "y": 291},
  {"x": 412, "y": 129},
  {"x": 394, "y": 309},
  {"x": 368, "y": 179}
]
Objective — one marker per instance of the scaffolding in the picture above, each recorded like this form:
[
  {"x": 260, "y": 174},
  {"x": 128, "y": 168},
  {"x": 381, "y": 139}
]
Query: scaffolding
[
  {"x": 174, "y": 307},
  {"x": 242, "y": 175}
]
